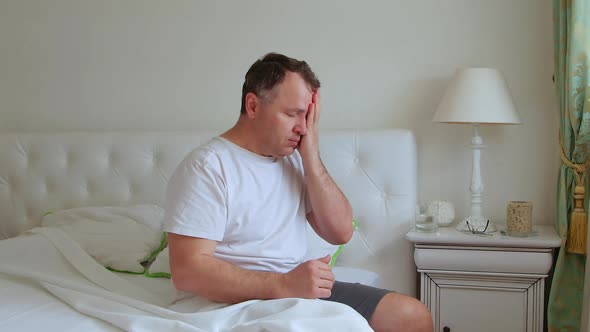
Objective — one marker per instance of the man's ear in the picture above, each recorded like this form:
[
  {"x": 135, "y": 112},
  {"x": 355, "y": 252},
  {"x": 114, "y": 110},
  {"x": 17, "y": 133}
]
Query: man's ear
[{"x": 252, "y": 103}]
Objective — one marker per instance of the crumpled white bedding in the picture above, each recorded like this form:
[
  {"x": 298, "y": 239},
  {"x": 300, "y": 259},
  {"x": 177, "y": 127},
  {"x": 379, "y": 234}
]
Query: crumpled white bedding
[{"x": 53, "y": 270}]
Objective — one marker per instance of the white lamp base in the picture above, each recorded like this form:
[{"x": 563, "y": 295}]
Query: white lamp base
[{"x": 477, "y": 223}]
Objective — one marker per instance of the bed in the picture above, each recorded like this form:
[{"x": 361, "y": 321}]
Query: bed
[{"x": 48, "y": 282}]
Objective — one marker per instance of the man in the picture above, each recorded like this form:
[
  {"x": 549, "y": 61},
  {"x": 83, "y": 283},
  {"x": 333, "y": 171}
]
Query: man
[{"x": 238, "y": 206}]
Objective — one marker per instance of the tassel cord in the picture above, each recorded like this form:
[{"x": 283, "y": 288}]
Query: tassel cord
[{"x": 577, "y": 229}]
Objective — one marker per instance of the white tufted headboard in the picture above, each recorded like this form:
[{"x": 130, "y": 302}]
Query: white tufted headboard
[{"x": 376, "y": 169}]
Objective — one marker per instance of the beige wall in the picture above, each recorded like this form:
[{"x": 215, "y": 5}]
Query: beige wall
[{"x": 136, "y": 64}]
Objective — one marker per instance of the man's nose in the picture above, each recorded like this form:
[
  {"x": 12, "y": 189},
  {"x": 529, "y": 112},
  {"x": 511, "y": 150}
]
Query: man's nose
[{"x": 301, "y": 127}]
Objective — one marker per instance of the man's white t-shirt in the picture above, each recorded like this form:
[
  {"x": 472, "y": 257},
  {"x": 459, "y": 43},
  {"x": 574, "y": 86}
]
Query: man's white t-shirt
[{"x": 253, "y": 206}]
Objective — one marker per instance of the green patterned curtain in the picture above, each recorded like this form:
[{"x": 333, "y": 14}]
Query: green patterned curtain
[{"x": 572, "y": 43}]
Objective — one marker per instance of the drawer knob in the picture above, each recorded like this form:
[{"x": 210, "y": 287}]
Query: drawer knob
[{"x": 446, "y": 329}]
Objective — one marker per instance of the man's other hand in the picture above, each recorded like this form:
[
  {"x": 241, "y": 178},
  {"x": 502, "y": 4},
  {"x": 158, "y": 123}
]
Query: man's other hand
[{"x": 312, "y": 279}]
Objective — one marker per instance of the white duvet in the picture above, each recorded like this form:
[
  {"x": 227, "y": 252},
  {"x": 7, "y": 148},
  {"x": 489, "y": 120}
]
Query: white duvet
[{"x": 48, "y": 261}]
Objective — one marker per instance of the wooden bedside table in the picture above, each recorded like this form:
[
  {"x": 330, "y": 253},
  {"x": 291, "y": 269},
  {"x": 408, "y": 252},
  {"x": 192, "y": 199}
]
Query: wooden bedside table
[{"x": 484, "y": 283}]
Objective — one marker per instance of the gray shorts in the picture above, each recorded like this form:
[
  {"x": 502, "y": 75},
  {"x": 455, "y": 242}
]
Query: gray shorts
[{"x": 362, "y": 298}]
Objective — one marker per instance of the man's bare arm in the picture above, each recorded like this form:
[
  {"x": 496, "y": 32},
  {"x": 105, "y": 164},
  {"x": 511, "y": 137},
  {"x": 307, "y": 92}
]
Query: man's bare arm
[
  {"x": 331, "y": 217},
  {"x": 194, "y": 269}
]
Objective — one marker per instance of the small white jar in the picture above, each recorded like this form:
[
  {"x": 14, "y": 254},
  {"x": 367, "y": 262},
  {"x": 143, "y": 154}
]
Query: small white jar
[{"x": 442, "y": 211}]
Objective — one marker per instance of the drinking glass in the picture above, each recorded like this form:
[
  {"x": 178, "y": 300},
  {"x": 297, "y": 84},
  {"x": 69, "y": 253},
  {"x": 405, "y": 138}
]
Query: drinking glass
[{"x": 424, "y": 221}]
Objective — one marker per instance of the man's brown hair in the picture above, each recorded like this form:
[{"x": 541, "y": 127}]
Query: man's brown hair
[{"x": 270, "y": 71}]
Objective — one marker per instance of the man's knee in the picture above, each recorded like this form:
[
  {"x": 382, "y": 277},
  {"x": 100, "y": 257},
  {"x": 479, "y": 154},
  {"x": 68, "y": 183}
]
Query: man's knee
[
  {"x": 417, "y": 313},
  {"x": 397, "y": 312}
]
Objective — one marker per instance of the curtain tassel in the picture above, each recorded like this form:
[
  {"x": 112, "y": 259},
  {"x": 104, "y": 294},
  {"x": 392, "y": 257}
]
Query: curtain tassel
[{"x": 578, "y": 228}]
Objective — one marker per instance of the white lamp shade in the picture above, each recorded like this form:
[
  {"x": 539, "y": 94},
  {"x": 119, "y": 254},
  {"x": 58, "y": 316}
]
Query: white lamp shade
[{"x": 477, "y": 95}]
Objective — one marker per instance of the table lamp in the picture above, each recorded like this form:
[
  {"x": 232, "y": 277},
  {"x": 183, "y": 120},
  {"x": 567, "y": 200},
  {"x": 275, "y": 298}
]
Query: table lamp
[{"x": 476, "y": 96}]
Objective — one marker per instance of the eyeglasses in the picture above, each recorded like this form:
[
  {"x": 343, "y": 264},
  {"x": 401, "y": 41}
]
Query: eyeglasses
[{"x": 478, "y": 230}]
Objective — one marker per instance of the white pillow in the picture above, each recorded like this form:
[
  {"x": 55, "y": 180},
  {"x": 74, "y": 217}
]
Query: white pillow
[
  {"x": 351, "y": 274},
  {"x": 160, "y": 267},
  {"x": 120, "y": 238}
]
